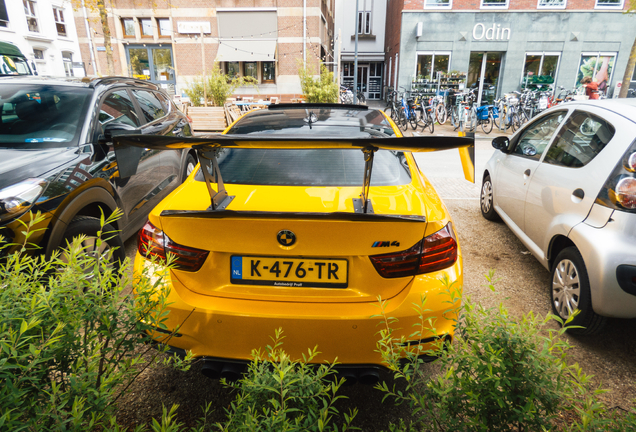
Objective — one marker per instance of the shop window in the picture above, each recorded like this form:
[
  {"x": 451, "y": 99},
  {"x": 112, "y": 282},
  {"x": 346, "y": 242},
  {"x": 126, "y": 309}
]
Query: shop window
[
  {"x": 146, "y": 27},
  {"x": 599, "y": 67},
  {"x": 4, "y": 16},
  {"x": 269, "y": 72},
  {"x": 58, "y": 15},
  {"x": 165, "y": 29},
  {"x": 128, "y": 25},
  {"x": 551, "y": 4},
  {"x": 67, "y": 59},
  {"x": 609, "y": 4},
  {"x": 232, "y": 69},
  {"x": 438, "y": 4},
  {"x": 31, "y": 16},
  {"x": 250, "y": 70},
  {"x": 494, "y": 4},
  {"x": 429, "y": 63},
  {"x": 540, "y": 68}
]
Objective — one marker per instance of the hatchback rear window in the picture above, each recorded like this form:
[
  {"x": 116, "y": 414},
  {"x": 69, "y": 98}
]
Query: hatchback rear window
[{"x": 321, "y": 167}]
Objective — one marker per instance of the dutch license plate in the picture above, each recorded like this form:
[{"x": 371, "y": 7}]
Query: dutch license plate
[{"x": 289, "y": 272}]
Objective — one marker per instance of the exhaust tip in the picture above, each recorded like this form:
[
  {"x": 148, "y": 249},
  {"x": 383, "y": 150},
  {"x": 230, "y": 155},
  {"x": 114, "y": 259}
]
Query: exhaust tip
[
  {"x": 232, "y": 371},
  {"x": 368, "y": 376},
  {"x": 211, "y": 369}
]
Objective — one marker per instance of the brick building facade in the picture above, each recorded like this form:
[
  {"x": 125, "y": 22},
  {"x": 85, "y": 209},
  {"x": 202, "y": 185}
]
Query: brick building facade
[
  {"x": 496, "y": 46},
  {"x": 170, "y": 43}
]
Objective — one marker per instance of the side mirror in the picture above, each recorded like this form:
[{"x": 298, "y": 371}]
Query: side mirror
[
  {"x": 501, "y": 143},
  {"x": 113, "y": 129}
]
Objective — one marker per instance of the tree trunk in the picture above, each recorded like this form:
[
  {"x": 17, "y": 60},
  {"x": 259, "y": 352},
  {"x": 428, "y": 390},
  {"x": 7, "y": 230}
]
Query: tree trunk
[
  {"x": 103, "y": 15},
  {"x": 629, "y": 70}
]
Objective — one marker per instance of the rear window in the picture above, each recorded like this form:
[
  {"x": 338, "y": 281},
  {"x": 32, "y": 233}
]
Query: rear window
[
  {"x": 318, "y": 167},
  {"x": 322, "y": 167}
]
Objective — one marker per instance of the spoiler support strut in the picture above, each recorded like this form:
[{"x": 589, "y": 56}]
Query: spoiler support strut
[
  {"x": 363, "y": 204},
  {"x": 219, "y": 199}
]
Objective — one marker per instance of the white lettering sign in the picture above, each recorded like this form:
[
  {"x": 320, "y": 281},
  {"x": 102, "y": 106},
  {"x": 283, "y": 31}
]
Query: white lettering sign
[
  {"x": 193, "y": 27},
  {"x": 492, "y": 33}
]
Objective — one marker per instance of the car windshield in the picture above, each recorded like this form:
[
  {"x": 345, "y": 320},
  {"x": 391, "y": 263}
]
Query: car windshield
[
  {"x": 14, "y": 65},
  {"x": 41, "y": 116},
  {"x": 317, "y": 167}
]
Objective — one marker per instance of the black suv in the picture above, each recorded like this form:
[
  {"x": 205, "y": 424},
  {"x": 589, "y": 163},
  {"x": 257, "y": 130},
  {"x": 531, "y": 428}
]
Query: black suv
[{"x": 56, "y": 156}]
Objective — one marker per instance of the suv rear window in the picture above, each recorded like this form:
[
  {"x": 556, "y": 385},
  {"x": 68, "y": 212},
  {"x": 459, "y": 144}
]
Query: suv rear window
[{"x": 39, "y": 116}]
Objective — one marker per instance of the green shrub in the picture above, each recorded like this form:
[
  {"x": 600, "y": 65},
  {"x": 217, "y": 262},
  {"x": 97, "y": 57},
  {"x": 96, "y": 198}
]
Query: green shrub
[
  {"x": 218, "y": 86},
  {"x": 72, "y": 337},
  {"x": 280, "y": 394},
  {"x": 502, "y": 373},
  {"x": 195, "y": 91},
  {"x": 321, "y": 90}
]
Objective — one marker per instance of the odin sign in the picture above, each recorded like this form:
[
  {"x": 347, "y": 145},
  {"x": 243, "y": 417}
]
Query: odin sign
[{"x": 491, "y": 33}]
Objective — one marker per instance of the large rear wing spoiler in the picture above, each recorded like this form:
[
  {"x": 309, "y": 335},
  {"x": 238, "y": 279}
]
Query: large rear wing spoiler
[{"x": 208, "y": 147}]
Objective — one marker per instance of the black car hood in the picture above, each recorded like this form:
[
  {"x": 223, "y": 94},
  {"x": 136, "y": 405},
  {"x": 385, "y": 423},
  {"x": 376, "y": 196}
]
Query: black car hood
[{"x": 18, "y": 165}]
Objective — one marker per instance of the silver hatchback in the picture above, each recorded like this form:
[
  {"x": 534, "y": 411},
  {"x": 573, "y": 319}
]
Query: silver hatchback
[{"x": 565, "y": 184}]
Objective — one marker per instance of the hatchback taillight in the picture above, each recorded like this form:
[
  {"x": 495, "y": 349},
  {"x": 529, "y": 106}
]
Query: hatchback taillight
[
  {"x": 435, "y": 252},
  {"x": 619, "y": 191},
  {"x": 154, "y": 242}
]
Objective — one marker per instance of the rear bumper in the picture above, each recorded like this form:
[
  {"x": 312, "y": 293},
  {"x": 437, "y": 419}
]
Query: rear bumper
[
  {"x": 608, "y": 252},
  {"x": 347, "y": 332}
]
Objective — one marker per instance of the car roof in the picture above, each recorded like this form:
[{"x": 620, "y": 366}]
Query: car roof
[
  {"x": 622, "y": 106},
  {"x": 296, "y": 117},
  {"x": 86, "y": 82}
]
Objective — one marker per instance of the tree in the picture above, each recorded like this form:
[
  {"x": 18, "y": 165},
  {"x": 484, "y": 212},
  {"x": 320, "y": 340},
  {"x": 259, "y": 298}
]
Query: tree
[
  {"x": 631, "y": 62},
  {"x": 321, "y": 90},
  {"x": 100, "y": 6}
]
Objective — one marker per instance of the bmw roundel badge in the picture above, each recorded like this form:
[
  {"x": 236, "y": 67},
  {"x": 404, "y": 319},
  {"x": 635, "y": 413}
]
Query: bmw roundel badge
[{"x": 286, "y": 238}]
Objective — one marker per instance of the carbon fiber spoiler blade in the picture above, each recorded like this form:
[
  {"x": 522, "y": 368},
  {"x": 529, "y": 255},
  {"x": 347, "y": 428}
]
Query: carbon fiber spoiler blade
[{"x": 212, "y": 142}]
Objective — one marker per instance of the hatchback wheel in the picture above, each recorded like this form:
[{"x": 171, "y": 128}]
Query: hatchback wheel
[
  {"x": 486, "y": 201},
  {"x": 190, "y": 164},
  {"x": 571, "y": 291}
]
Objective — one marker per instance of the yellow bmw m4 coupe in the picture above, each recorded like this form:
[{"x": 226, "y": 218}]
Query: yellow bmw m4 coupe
[{"x": 301, "y": 217}]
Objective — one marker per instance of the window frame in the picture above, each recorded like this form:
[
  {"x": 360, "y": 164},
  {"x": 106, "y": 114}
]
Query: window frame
[
  {"x": 432, "y": 54},
  {"x": 141, "y": 27},
  {"x": 123, "y": 25},
  {"x": 561, "y": 6},
  {"x": 31, "y": 12},
  {"x": 610, "y": 7},
  {"x": 159, "y": 32},
  {"x": 58, "y": 17},
  {"x": 542, "y": 54},
  {"x": 244, "y": 68},
  {"x": 361, "y": 22},
  {"x": 566, "y": 115},
  {"x": 66, "y": 62},
  {"x": 3, "y": 23},
  {"x": 105, "y": 96},
  {"x": 483, "y": 4},
  {"x": 439, "y": 7},
  {"x": 263, "y": 80}
]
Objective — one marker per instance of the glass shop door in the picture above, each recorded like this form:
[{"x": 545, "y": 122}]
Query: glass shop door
[{"x": 484, "y": 69}]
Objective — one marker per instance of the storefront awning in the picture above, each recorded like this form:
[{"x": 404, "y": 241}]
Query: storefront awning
[{"x": 246, "y": 50}]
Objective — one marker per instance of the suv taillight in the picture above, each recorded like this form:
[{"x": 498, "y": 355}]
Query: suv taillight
[
  {"x": 435, "y": 252},
  {"x": 154, "y": 242},
  {"x": 619, "y": 191}
]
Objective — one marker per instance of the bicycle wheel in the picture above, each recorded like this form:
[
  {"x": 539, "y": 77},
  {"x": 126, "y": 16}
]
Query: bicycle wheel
[
  {"x": 486, "y": 125},
  {"x": 430, "y": 120},
  {"x": 440, "y": 113},
  {"x": 471, "y": 121},
  {"x": 515, "y": 122},
  {"x": 413, "y": 118},
  {"x": 453, "y": 118},
  {"x": 403, "y": 120},
  {"x": 390, "y": 112}
]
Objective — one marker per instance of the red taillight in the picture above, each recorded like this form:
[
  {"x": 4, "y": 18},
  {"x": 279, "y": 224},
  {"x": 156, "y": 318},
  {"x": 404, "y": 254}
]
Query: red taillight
[
  {"x": 154, "y": 242},
  {"x": 435, "y": 252},
  {"x": 626, "y": 192}
]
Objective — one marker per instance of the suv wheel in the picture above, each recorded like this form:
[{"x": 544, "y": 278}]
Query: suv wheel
[
  {"x": 571, "y": 291},
  {"x": 90, "y": 226},
  {"x": 487, "y": 202}
]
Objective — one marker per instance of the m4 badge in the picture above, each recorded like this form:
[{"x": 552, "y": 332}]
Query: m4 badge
[{"x": 385, "y": 243}]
